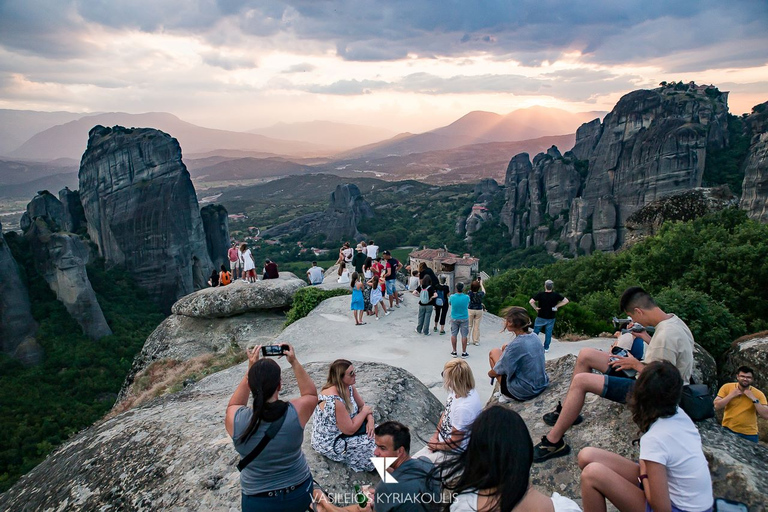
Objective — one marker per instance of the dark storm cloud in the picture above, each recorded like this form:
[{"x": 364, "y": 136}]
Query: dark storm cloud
[{"x": 531, "y": 31}]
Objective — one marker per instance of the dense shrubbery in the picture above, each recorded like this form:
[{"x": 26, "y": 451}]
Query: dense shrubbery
[
  {"x": 711, "y": 272},
  {"x": 78, "y": 381},
  {"x": 307, "y": 299}
]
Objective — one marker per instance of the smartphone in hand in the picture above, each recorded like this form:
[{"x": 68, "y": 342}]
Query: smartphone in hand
[{"x": 273, "y": 350}]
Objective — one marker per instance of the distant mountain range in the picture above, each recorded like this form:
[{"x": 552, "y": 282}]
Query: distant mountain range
[
  {"x": 477, "y": 128},
  {"x": 17, "y": 126},
  {"x": 69, "y": 140}
]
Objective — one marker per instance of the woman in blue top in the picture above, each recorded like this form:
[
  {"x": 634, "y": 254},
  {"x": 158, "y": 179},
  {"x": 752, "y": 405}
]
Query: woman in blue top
[
  {"x": 278, "y": 479},
  {"x": 519, "y": 365}
]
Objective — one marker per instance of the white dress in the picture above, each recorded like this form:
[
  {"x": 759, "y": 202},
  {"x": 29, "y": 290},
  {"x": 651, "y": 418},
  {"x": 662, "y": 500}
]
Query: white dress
[
  {"x": 467, "y": 502},
  {"x": 248, "y": 263}
]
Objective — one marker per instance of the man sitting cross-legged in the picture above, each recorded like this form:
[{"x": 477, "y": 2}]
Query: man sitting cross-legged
[{"x": 671, "y": 342}]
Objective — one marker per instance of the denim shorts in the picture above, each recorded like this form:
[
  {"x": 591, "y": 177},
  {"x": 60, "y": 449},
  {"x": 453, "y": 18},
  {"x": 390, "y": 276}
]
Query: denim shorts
[
  {"x": 391, "y": 286},
  {"x": 460, "y": 325},
  {"x": 616, "y": 389}
]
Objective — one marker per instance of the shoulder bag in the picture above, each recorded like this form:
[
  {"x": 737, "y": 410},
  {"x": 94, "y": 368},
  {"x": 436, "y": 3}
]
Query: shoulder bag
[{"x": 268, "y": 436}]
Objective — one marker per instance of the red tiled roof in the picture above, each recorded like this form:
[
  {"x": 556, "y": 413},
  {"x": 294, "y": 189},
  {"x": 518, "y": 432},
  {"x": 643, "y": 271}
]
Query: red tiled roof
[{"x": 442, "y": 256}]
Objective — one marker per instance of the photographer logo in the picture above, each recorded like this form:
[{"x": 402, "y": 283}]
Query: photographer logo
[{"x": 381, "y": 464}]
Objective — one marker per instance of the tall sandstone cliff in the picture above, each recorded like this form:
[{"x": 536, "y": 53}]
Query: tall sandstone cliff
[
  {"x": 17, "y": 327},
  {"x": 651, "y": 145},
  {"x": 142, "y": 211},
  {"x": 754, "y": 198}
]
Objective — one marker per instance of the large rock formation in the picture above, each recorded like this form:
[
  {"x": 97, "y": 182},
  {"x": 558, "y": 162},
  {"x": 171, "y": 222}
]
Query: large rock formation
[
  {"x": 679, "y": 207},
  {"x": 240, "y": 297},
  {"x": 754, "y": 198},
  {"x": 17, "y": 326},
  {"x": 216, "y": 227},
  {"x": 142, "y": 211},
  {"x": 739, "y": 468},
  {"x": 338, "y": 222},
  {"x": 652, "y": 145},
  {"x": 175, "y": 454},
  {"x": 61, "y": 257}
]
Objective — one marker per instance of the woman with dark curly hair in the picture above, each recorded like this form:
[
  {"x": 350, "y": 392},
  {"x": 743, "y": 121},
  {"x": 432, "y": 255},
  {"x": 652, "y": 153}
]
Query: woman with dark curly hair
[
  {"x": 493, "y": 473},
  {"x": 672, "y": 474}
]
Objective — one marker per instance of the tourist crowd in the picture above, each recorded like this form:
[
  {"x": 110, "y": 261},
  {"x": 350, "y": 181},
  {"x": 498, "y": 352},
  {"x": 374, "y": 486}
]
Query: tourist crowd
[{"x": 479, "y": 459}]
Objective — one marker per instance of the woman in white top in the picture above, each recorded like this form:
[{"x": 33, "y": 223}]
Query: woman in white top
[
  {"x": 249, "y": 265},
  {"x": 493, "y": 473},
  {"x": 461, "y": 408},
  {"x": 672, "y": 474}
]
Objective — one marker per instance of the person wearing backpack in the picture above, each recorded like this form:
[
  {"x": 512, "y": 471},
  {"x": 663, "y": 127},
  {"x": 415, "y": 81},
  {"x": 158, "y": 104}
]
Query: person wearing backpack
[
  {"x": 441, "y": 303},
  {"x": 278, "y": 477},
  {"x": 427, "y": 295},
  {"x": 225, "y": 276}
]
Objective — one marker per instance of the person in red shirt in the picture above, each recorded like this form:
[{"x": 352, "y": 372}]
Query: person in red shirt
[
  {"x": 234, "y": 261},
  {"x": 270, "y": 270}
]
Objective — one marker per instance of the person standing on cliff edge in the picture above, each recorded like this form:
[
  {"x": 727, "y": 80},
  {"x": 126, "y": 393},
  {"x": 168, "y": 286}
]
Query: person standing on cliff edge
[{"x": 546, "y": 304}]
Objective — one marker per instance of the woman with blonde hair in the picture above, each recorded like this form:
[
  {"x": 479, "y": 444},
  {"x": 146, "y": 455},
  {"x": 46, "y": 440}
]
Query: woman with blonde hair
[
  {"x": 343, "y": 426},
  {"x": 461, "y": 408},
  {"x": 519, "y": 365}
]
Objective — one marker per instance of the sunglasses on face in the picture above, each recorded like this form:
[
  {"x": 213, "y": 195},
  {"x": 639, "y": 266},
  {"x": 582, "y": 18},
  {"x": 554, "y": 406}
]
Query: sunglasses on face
[{"x": 352, "y": 373}]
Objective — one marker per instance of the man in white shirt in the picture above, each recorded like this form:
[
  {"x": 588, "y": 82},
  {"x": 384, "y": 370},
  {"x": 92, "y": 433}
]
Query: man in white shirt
[
  {"x": 315, "y": 274},
  {"x": 372, "y": 249}
]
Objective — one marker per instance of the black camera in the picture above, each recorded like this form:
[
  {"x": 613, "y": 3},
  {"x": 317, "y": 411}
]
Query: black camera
[{"x": 274, "y": 350}]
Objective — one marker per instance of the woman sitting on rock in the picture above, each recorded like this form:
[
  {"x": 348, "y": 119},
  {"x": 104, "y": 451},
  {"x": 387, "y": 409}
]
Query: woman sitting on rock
[
  {"x": 461, "y": 408},
  {"x": 519, "y": 365},
  {"x": 278, "y": 479},
  {"x": 343, "y": 425},
  {"x": 493, "y": 473},
  {"x": 672, "y": 473}
]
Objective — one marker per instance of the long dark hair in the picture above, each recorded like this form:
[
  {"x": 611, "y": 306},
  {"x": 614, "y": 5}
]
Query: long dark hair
[
  {"x": 498, "y": 456},
  {"x": 368, "y": 263},
  {"x": 263, "y": 379},
  {"x": 656, "y": 394}
]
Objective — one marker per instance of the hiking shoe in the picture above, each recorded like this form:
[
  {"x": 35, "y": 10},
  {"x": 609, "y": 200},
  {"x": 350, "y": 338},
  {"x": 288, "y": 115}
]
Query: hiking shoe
[
  {"x": 435, "y": 329},
  {"x": 546, "y": 450},
  {"x": 551, "y": 417},
  {"x": 454, "y": 354},
  {"x": 464, "y": 354},
  {"x": 442, "y": 332}
]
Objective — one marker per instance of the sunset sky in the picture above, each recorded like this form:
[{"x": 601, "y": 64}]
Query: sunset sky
[{"x": 401, "y": 64}]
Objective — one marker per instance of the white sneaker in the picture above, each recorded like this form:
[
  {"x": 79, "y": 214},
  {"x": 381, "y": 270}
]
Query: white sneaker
[
  {"x": 387, "y": 313},
  {"x": 503, "y": 399}
]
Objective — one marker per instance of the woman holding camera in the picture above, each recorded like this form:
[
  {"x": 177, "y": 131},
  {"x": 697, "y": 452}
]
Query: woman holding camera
[
  {"x": 343, "y": 426},
  {"x": 278, "y": 478},
  {"x": 672, "y": 473}
]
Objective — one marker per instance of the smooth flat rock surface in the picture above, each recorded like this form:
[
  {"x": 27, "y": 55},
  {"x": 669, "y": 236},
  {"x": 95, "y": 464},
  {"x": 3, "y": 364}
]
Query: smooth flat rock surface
[{"x": 329, "y": 333}]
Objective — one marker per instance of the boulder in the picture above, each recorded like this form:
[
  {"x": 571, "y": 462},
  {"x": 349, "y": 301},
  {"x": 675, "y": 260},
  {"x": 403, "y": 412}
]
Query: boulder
[
  {"x": 61, "y": 259},
  {"x": 240, "y": 297},
  {"x": 142, "y": 210},
  {"x": 17, "y": 326},
  {"x": 739, "y": 468},
  {"x": 174, "y": 454},
  {"x": 181, "y": 337},
  {"x": 749, "y": 351},
  {"x": 44, "y": 204},
  {"x": 216, "y": 227}
]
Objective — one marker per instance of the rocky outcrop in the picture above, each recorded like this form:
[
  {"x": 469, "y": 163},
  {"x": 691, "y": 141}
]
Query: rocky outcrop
[
  {"x": 240, "y": 297},
  {"x": 338, "y": 222},
  {"x": 679, "y": 207},
  {"x": 74, "y": 215},
  {"x": 181, "y": 338},
  {"x": 142, "y": 211},
  {"x": 17, "y": 326},
  {"x": 652, "y": 145},
  {"x": 216, "y": 227},
  {"x": 485, "y": 190},
  {"x": 61, "y": 259},
  {"x": 754, "y": 197},
  {"x": 739, "y": 468},
  {"x": 44, "y": 204},
  {"x": 174, "y": 453}
]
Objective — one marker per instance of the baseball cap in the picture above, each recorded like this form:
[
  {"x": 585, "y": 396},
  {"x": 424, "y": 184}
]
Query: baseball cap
[{"x": 386, "y": 253}]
